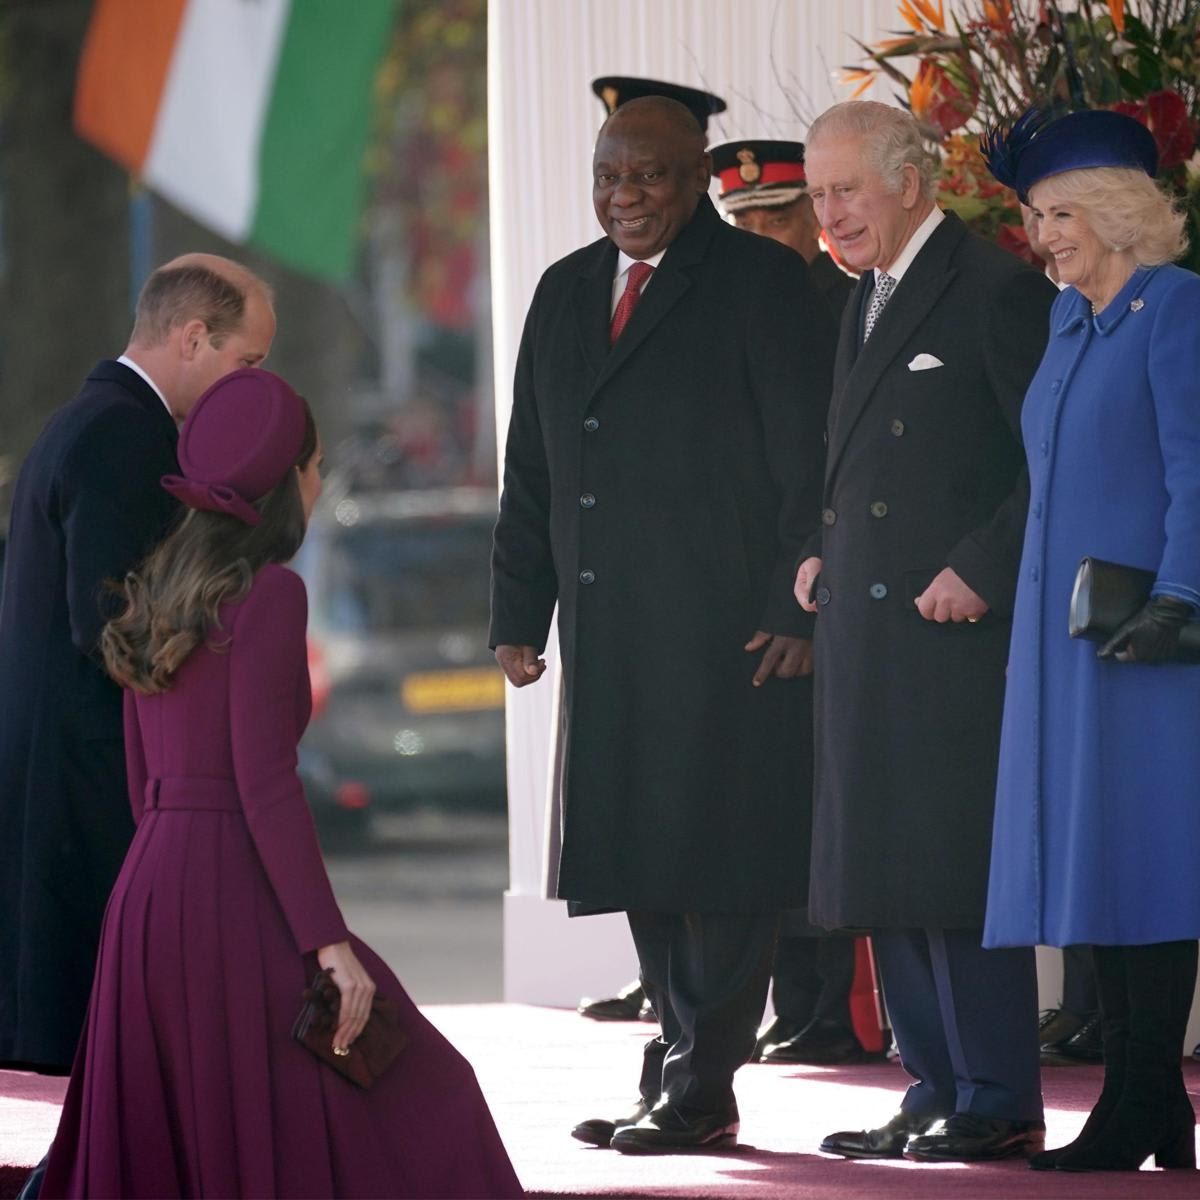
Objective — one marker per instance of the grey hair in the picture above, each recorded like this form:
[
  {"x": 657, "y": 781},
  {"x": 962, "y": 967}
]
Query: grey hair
[
  {"x": 892, "y": 141},
  {"x": 1124, "y": 207}
]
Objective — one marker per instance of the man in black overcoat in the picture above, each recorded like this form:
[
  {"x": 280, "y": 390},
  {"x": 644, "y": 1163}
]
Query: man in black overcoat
[
  {"x": 86, "y": 509},
  {"x": 662, "y": 474},
  {"x": 913, "y": 578}
]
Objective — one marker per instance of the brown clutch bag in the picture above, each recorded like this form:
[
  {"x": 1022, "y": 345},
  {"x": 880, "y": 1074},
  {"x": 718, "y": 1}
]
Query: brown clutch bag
[
  {"x": 370, "y": 1054},
  {"x": 1107, "y": 594}
]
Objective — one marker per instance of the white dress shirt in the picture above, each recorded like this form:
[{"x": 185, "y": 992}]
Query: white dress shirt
[
  {"x": 913, "y": 246},
  {"x": 128, "y": 362},
  {"x": 624, "y": 262}
]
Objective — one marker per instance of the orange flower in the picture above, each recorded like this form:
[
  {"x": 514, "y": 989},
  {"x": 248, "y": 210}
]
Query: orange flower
[
  {"x": 997, "y": 14},
  {"x": 934, "y": 98},
  {"x": 863, "y": 76},
  {"x": 1117, "y": 10},
  {"x": 921, "y": 13}
]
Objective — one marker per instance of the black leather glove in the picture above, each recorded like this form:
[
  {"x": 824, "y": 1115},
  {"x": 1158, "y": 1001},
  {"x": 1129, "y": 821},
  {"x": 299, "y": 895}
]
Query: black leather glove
[{"x": 1150, "y": 635}]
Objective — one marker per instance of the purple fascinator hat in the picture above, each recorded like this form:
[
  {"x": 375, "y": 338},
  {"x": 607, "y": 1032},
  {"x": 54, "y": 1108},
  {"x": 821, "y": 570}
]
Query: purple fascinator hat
[
  {"x": 1043, "y": 142},
  {"x": 238, "y": 443}
]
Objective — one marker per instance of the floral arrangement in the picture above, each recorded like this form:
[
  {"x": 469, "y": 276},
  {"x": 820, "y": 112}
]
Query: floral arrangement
[{"x": 989, "y": 60}]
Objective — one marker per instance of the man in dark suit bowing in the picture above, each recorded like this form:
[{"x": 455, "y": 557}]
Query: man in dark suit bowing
[
  {"x": 912, "y": 578},
  {"x": 662, "y": 475},
  {"x": 87, "y": 507}
]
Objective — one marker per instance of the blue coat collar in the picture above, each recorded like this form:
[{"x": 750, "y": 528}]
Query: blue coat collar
[{"x": 1077, "y": 308}]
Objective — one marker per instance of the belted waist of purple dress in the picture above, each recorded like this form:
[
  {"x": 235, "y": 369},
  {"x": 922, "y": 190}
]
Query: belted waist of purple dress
[{"x": 193, "y": 793}]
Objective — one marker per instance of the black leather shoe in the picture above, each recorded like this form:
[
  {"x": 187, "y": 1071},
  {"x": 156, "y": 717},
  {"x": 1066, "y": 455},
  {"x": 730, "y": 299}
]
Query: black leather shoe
[
  {"x": 888, "y": 1141},
  {"x": 647, "y": 1013},
  {"x": 778, "y": 1029},
  {"x": 1083, "y": 1048},
  {"x": 966, "y": 1137},
  {"x": 626, "y": 1005},
  {"x": 597, "y": 1131},
  {"x": 1056, "y": 1025},
  {"x": 821, "y": 1043},
  {"x": 667, "y": 1130}
]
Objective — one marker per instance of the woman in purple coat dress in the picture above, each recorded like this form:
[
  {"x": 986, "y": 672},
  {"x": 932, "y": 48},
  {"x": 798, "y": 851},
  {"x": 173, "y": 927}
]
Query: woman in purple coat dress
[{"x": 188, "y": 1082}]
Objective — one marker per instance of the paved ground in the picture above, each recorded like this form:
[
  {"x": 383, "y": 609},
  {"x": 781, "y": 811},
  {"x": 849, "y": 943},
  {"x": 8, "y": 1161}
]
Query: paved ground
[{"x": 425, "y": 893}]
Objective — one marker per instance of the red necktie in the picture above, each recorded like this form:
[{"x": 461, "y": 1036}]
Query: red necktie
[{"x": 639, "y": 272}]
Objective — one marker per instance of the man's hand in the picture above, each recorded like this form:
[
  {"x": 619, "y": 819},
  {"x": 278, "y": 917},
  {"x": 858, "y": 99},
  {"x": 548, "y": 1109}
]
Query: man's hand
[
  {"x": 947, "y": 598},
  {"x": 806, "y": 578},
  {"x": 785, "y": 657},
  {"x": 520, "y": 664}
]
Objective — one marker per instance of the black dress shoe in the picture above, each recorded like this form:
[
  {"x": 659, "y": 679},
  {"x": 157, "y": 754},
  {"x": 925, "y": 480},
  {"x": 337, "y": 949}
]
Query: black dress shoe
[
  {"x": 1056, "y": 1025},
  {"x": 667, "y": 1130},
  {"x": 888, "y": 1141},
  {"x": 1083, "y": 1048},
  {"x": 778, "y": 1029},
  {"x": 966, "y": 1137},
  {"x": 647, "y": 1013},
  {"x": 626, "y": 1005},
  {"x": 821, "y": 1043},
  {"x": 597, "y": 1131}
]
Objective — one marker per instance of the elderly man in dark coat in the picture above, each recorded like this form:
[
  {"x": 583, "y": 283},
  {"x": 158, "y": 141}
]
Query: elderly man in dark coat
[
  {"x": 913, "y": 578},
  {"x": 87, "y": 507},
  {"x": 662, "y": 474}
]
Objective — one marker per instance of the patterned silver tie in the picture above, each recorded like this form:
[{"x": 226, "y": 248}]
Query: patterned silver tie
[{"x": 884, "y": 286}]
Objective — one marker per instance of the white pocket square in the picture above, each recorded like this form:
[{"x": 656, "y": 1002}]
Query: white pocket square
[{"x": 925, "y": 362}]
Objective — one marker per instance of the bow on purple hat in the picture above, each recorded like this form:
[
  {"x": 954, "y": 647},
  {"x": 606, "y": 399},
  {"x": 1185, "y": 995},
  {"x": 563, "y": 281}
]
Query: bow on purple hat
[{"x": 238, "y": 443}]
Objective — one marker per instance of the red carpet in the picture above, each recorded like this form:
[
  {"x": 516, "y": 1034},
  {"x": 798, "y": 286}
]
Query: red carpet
[{"x": 545, "y": 1069}]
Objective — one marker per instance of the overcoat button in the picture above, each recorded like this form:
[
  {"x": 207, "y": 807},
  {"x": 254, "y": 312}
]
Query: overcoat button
[
  {"x": 879, "y": 509},
  {"x": 1034, "y": 574},
  {"x": 591, "y": 424},
  {"x": 1045, "y": 449},
  {"x": 587, "y": 500},
  {"x": 1056, "y": 386},
  {"x": 878, "y": 591},
  {"x": 828, "y": 516},
  {"x": 897, "y": 429},
  {"x": 822, "y": 596},
  {"x": 586, "y": 577}
]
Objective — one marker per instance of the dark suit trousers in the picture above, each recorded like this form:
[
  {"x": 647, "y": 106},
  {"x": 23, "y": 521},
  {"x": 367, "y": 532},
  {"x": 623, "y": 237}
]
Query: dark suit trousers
[
  {"x": 812, "y": 977},
  {"x": 965, "y": 1021},
  {"x": 706, "y": 975}
]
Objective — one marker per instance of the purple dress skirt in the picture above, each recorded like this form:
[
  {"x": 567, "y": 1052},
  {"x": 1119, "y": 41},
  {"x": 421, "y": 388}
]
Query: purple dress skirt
[{"x": 187, "y": 1081}]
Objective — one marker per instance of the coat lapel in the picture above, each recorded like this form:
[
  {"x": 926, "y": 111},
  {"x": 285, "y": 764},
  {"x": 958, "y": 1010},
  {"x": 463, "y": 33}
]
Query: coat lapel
[
  {"x": 591, "y": 302},
  {"x": 915, "y": 295}
]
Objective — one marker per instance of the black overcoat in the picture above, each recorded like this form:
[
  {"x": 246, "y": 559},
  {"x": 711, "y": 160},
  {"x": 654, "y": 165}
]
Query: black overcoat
[
  {"x": 86, "y": 508},
  {"x": 659, "y": 493},
  {"x": 924, "y": 470}
]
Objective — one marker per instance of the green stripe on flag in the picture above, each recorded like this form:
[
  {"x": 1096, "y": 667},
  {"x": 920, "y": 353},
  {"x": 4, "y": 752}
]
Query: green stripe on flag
[{"x": 311, "y": 164}]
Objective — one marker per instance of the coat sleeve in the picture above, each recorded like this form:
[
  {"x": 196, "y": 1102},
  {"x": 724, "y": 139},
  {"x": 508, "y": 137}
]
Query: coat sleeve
[
  {"x": 1016, "y": 327},
  {"x": 524, "y": 579},
  {"x": 790, "y": 341},
  {"x": 112, "y": 512},
  {"x": 1174, "y": 370},
  {"x": 267, "y": 657},
  {"x": 135, "y": 756}
]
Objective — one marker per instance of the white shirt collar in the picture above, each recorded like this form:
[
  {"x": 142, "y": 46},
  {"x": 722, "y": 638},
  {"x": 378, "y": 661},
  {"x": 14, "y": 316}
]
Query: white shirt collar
[
  {"x": 128, "y": 362},
  {"x": 913, "y": 246}
]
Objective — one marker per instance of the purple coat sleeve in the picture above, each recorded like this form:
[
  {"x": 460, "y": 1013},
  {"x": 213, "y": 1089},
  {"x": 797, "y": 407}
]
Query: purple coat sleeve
[
  {"x": 267, "y": 659},
  {"x": 135, "y": 756}
]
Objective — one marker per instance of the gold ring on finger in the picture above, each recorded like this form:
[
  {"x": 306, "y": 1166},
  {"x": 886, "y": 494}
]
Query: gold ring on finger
[{"x": 342, "y": 1051}]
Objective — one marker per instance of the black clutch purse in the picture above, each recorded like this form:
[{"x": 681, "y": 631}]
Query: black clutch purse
[
  {"x": 370, "y": 1054},
  {"x": 1107, "y": 594}
]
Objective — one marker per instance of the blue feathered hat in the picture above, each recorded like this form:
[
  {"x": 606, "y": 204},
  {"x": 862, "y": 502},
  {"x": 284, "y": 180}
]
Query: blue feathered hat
[{"x": 1041, "y": 142}]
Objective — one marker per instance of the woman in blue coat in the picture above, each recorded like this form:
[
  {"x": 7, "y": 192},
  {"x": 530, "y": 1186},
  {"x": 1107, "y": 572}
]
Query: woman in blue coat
[{"x": 1098, "y": 804}]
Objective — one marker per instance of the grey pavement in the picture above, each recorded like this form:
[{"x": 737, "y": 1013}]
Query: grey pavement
[{"x": 425, "y": 892}]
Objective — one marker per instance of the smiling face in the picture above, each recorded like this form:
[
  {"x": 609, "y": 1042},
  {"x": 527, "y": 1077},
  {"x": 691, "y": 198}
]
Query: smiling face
[
  {"x": 793, "y": 225},
  {"x": 648, "y": 174},
  {"x": 1081, "y": 259},
  {"x": 868, "y": 225}
]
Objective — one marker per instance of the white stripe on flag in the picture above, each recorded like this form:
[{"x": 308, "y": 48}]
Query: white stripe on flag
[{"x": 204, "y": 154}]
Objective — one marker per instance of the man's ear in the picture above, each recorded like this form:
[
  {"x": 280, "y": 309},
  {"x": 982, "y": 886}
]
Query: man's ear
[
  {"x": 910, "y": 189},
  {"x": 704, "y": 173},
  {"x": 192, "y": 336}
]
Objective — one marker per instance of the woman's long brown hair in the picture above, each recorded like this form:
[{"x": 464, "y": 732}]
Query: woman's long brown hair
[{"x": 172, "y": 600}]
